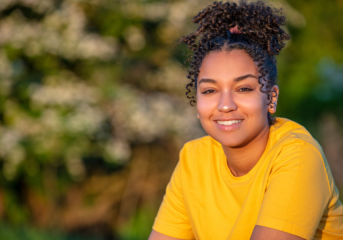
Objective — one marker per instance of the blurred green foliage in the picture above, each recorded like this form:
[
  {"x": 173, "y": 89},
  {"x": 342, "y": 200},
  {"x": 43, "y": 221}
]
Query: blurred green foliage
[
  {"x": 93, "y": 112},
  {"x": 26, "y": 233}
]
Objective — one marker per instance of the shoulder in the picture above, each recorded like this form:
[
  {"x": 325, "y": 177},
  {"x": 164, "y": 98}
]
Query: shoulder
[
  {"x": 199, "y": 154},
  {"x": 287, "y": 134},
  {"x": 294, "y": 146},
  {"x": 285, "y": 128},
  {"x": 301, "y": 152},
  {"x": 298, "y": 151},
  {"x": 201, "y": 147},
  {"x": 200, "y": 143}
]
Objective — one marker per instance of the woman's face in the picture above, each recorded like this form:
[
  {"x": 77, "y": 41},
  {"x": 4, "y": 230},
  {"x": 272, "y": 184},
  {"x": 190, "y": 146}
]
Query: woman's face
[{"x": 230, "y": 105}]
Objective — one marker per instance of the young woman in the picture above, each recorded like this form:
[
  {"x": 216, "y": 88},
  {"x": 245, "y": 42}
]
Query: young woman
[{"x": 253, "y": 177}]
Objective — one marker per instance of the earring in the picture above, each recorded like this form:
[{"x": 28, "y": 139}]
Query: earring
[
  {"x": 198, "y": 115},
  {"x": 272, "y": 107}
]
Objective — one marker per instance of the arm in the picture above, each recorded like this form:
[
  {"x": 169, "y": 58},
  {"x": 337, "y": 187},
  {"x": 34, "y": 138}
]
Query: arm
[
  {"x": 172, "y": 218},
  {"x": 263, "y": 233},
  {"x": 159, "y": 236},
  {"x": 297, "y": 194}
]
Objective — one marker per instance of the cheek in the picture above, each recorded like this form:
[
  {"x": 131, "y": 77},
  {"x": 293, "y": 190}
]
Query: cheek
[
  {"x": 255, "y": 106},
  {"x": 206, "y": 105}
]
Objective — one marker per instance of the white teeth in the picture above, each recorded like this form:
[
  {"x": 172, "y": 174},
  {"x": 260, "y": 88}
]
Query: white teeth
[{"x": 226, "y": 123}]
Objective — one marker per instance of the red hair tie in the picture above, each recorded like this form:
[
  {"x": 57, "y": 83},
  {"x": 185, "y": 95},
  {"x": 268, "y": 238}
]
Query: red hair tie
[{"x": 234, "y": 30}]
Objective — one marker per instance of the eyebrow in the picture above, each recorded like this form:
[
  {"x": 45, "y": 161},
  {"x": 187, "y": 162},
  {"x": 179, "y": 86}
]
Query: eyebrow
[
  {"x": 235, "y": 79},
  {"x": 244, "y": 77},
  {"x": 207, "y": 80}
]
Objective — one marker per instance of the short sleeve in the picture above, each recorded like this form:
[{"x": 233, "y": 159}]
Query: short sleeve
[
  {"x": 172, "y": 219},
  {"x": 297, "y": 192}
]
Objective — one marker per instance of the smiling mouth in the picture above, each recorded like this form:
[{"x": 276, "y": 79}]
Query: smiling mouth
[{"x": 228, "y": 123}]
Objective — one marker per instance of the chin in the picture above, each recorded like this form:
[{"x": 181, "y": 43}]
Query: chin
[
  {"x": 231, "y": 141},
  {"x": 233, "y": 144}
]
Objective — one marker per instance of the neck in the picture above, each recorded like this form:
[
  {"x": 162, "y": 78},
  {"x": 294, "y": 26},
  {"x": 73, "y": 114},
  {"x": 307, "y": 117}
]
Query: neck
[{"x": 241, "y": 160}]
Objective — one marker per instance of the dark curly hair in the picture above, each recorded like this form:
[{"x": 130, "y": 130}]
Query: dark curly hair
[{"x": 260, "y": 35}]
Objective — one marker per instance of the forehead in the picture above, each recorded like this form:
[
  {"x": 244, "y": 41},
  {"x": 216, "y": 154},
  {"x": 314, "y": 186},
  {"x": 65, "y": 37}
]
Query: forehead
[{"x": 228, "y": 64}]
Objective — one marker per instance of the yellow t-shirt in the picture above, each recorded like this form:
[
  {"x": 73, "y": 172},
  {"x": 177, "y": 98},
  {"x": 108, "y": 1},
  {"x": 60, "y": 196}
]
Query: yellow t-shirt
[{"x": 289, "y": 189}]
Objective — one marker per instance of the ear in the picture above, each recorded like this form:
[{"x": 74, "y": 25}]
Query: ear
[{"x": 274, "y": 98}]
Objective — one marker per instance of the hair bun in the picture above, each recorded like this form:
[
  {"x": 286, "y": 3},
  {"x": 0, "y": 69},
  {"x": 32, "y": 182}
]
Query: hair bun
[{"x": 257, "y": 21}]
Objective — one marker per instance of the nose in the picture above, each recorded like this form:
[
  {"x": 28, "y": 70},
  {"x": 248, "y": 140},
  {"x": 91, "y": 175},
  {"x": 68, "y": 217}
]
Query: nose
[{"x": 226, "y": 103}]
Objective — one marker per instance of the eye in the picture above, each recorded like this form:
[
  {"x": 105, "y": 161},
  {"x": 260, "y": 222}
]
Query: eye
[
  {"x": 245, "y": 89},
  {"x": 208, "y": 91}
]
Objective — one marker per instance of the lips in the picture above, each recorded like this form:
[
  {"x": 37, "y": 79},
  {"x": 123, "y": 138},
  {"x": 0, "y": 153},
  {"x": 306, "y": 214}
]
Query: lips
[{"x": 228, "y": 124}]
